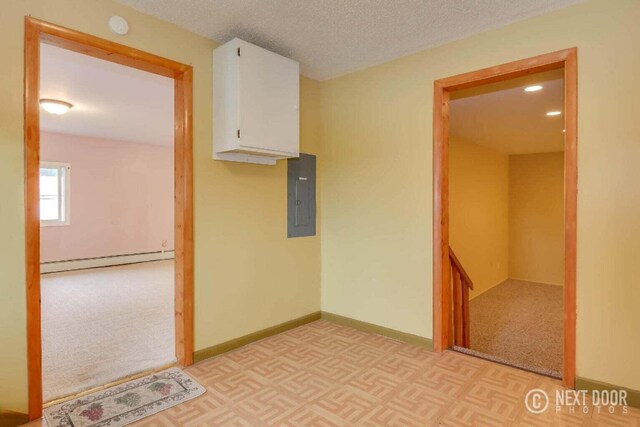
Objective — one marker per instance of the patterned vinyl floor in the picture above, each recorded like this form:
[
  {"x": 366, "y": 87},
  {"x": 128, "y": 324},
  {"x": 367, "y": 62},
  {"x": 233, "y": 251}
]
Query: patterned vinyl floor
[{"x": 323, "y": 374}]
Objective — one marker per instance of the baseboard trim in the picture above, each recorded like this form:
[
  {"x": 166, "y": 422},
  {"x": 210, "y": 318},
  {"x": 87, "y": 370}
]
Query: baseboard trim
[
  {"x": 107, "y": 261},
  {"x": 538, "y": 283},
  {"x": 633, "y": 396},
  {"x": 12, "y": 419},
  {"x": 380, "y": 330},
  {"x": 226, "y": 346}
]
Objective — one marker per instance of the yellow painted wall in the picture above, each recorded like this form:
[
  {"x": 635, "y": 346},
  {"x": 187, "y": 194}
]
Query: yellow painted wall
[
  {"x": 248, "y": 275},
  {"x": 479, "y": 212},
  {"x": 536, "y": 217},
  {"x": 506, "y": 215},
  {"x": 376, "y": 183},
  {"x": 377, "y": 180}
]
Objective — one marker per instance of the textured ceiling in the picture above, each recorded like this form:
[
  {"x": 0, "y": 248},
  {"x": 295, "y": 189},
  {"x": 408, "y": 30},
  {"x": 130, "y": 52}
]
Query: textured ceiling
[
  {"x": 334, "y": 37},
  {"x": 503, "y": 117},
  {"x": 110, "y": 100}
]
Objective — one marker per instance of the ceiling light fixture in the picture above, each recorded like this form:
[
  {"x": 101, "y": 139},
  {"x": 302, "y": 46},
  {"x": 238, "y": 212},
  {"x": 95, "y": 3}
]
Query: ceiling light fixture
[
  {"x": 533, "y": 88},
  {"x": 554, "y": 113},
  {"x": 55, "y": 106}
]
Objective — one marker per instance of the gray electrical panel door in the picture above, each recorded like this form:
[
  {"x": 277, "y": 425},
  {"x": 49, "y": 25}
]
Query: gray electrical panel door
[{"x": 301, "y": 196}]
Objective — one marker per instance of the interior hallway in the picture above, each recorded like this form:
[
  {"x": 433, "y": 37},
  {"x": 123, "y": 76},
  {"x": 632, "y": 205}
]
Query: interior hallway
[
  {"x": 520, "y": 322},
  {"x": 103, "y": 324}
]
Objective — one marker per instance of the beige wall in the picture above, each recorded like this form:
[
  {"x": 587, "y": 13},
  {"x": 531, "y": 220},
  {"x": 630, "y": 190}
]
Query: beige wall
[
  {"x": 377, "y": 180},
  {"x": 479, "y": 212},
  {"x": 248, "y": 275},
  {"x": 536, "y": 217},
  {"x": 376, "y": 183},
  {"x": 506, "y": 215}
]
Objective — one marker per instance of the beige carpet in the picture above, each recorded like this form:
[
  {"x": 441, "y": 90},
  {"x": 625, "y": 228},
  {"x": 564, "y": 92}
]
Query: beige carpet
[
  {"x": 520, "y": 322},
  {"x": 103, "y": 324}
]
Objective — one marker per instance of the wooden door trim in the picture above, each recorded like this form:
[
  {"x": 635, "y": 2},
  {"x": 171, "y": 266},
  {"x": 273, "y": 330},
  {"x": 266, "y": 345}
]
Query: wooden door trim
[
  {"x": 37, "y": 31},
  {"x": 567, "y": 59}
]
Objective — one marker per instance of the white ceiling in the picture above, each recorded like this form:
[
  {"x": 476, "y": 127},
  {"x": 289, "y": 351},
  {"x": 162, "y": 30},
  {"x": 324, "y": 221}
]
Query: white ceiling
[
  {"x": 504, "y": 117},
  {"x": 110, "y": 100},
  {"x": 334, "y": 37}
]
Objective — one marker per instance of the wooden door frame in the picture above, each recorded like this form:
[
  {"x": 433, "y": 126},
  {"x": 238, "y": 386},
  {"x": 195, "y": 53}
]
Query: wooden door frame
[
  {"x": 36, "y": 32},
  {"x": 567, "y": 59}
]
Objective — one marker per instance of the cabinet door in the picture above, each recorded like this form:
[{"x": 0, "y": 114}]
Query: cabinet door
[{"x": 269, "y": 99}]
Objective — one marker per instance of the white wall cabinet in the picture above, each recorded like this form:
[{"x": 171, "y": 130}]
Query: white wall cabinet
[{"x": 256, "y": 95}]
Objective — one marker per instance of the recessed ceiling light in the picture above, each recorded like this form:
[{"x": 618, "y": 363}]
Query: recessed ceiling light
[
  {"x": 533, "y": 88},
  {"x": 55, "y": 106},
  {"x": 554, "y": 113}
]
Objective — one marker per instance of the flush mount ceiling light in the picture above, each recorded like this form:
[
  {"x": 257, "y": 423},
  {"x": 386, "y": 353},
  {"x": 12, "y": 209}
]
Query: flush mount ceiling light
[
  {"x": 533, "y": 88},
  {"x": 55, "y": 106},
  {"x": 554, "y": 113}
]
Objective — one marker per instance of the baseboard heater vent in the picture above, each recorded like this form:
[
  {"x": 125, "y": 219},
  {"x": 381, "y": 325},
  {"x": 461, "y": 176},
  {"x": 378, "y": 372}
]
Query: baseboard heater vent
[{"x": 107, "y": 261}]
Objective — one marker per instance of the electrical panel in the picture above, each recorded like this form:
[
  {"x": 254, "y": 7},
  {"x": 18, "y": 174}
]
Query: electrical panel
[{"x": 301, "y": 196}]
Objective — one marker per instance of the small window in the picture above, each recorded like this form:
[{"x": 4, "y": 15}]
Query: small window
[{"x": 54, "y": 193}]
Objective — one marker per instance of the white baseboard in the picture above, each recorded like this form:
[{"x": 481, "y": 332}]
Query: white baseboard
[{"x": 81, "y": 264}]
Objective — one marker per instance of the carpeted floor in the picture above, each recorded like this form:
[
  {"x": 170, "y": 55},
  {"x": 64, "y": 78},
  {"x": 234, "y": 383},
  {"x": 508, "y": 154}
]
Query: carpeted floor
[
  {"x": 520, "y": 322},
  {"x": 103, "y": 324}
]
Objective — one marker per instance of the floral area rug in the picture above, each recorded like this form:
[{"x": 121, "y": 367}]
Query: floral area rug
[{"x": 127, "y": 402}]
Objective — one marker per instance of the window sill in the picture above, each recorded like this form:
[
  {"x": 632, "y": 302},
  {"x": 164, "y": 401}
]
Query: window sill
[{"x": 54, "y": 223}]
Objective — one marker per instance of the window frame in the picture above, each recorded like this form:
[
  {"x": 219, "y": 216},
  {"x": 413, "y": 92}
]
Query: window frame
[{"x": 64, "y": 193}]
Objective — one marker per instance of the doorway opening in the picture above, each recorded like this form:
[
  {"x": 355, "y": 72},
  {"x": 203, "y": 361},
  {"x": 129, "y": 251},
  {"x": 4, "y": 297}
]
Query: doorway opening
[
  {"x": 506, "y": 219},
  {"x": 107, "y": 228},
  {"x": 489, "y": 171},
  {"x": 49, "y": 180}
]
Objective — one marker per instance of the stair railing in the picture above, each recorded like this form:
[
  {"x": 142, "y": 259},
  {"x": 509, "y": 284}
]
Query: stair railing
[{"x": 461, "y": 283}]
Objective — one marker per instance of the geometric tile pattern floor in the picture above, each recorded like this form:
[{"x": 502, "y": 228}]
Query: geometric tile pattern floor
[{"x": 324, "y": 374}]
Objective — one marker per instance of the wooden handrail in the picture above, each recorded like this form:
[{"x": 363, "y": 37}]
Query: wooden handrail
[
  {"x": 455, "y": 263},
  {"x": 460, "y": 283}
]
